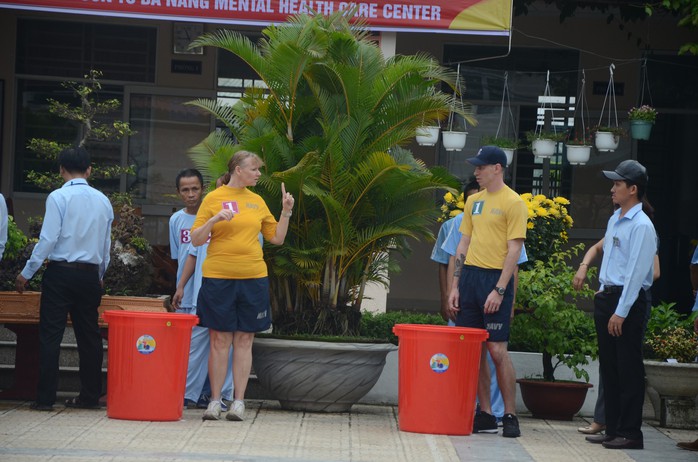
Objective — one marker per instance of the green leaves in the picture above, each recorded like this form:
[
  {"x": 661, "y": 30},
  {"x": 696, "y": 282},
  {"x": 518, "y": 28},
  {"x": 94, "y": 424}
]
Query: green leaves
[
  {"x": 549, "y": 321},
  {"x": 330, "y": 125}
]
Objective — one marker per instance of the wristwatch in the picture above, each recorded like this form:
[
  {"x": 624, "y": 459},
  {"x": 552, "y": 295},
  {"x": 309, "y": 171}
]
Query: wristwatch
[{"x": 500, "y": 290}]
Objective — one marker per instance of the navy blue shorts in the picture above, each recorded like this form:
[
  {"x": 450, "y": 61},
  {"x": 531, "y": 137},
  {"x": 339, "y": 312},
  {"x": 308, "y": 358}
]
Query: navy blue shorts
[
  {"x": 232, "y": 305},
  {"x": 474, "y": 285}
]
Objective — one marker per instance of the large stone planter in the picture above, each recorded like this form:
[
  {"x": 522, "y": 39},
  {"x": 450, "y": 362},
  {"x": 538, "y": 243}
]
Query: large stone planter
[
  {"x": 677, "y": 385},
  {"x": 318, "y": 376}
]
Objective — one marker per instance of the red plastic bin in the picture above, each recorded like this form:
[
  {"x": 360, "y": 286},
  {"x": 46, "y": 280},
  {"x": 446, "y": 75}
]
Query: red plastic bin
[
  {"x": 148, "y": 356},
  {"x": 438, "y": 376}
]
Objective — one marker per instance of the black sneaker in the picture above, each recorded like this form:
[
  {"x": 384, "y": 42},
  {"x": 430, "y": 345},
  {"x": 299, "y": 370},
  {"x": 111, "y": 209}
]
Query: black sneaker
[
  {"x": 511, "y": 426},
  {"x": 485, "y": 423}
]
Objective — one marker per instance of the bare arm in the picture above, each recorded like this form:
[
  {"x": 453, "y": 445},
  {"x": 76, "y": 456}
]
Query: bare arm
[
  {"x": 657, "y": 272},
  {"x": 494, "y": 300},
  {"x": 590, "y": 256},
  {"x": 461, "y": 252},
  {"x": 286, "y": 211},
  {"x": 200, "y": 235},
  {"x": 187, "y": 271}
]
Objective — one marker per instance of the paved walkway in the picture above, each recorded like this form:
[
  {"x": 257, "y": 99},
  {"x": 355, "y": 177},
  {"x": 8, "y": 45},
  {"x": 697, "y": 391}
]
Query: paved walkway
[{"x": 269, "y": 434}]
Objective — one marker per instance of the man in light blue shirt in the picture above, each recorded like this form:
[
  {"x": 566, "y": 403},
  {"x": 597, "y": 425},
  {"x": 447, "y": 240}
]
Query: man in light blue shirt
[
  {"x": 75, "y": 238},
  {"x": 620, "y": 306}
]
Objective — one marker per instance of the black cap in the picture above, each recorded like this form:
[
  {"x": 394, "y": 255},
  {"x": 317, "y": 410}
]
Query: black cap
[
  {"x": 630, "y": 170},
  {"x": 489, "y": 155}
]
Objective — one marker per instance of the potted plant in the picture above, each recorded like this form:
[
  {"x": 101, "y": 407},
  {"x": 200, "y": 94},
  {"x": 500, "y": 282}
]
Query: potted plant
[
  {"x": 548, "y": 321},
  {"x": 579, "y": 148},
  {"x": 508, "y": 145},
  {"x": 641, "y": 120},
  {"x": 544, "y": 143},
  {"x": 671, "y": 370},
  {"x": 333, "y": 133},
  {"x": 606, "y": 138}
]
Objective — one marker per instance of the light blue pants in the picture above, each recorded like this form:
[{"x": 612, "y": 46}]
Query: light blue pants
[
  {"x": 496, "y": 400},
  {"x": 197, "y": 370}
]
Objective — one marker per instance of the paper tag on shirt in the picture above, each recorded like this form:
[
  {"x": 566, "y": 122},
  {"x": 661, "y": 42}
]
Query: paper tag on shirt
[
  {"x": 184, "y": 236},
  {"x": 232, "y": 206}
]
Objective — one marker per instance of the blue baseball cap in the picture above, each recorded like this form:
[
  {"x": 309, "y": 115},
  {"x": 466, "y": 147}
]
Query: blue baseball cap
[{"x": 489, "y": 155}]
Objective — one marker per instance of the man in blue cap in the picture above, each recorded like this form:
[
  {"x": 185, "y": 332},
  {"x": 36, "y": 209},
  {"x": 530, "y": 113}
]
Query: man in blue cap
[{"x": 493, "y": 231}]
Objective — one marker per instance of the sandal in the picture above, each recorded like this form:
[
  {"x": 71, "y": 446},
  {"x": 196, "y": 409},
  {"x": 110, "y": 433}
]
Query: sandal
[
  {"x": 76, "y": 403},
  {"x": 592, "y": 429}
]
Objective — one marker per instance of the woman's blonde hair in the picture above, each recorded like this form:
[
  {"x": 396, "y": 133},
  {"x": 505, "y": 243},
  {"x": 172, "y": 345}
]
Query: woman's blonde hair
[{"x": 239, "y": 157}]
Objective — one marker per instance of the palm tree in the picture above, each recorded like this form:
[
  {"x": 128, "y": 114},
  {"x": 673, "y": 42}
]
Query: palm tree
[{"x": 331, "y": 124}]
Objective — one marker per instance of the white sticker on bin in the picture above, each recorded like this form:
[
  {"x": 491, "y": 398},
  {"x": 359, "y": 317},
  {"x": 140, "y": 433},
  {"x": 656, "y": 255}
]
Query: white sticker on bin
[
  {"x": 439, "y": 363},
  {"x": 145, "y": 344}
]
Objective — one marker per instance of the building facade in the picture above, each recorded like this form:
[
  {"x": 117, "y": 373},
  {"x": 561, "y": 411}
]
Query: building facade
[{"x": 148, "y": 67}]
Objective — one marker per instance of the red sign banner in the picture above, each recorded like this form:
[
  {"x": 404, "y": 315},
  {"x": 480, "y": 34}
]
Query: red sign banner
[{"x": 482, "y": 17}]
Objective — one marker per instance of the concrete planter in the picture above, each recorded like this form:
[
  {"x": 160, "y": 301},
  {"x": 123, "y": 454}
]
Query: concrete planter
[
  {"x": 677, "y": 386},
  {"x": 318, "y": 376}
]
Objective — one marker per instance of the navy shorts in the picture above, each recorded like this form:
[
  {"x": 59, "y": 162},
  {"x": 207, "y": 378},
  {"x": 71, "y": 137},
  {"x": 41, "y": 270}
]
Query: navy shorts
[
  {"x": 474, "y": 285},
  {"x": 232, "y": 305}
]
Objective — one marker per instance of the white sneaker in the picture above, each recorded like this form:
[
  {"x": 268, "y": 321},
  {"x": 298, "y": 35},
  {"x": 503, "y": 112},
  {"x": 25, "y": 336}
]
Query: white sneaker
[
  {"x": 213, "y": 411},
  {"x": 237, "y": 411}
]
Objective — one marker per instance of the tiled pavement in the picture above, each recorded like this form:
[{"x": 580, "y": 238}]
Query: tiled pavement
[{"x": 269, "y": 434}]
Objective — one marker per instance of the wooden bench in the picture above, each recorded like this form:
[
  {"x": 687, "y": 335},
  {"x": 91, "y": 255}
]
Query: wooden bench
[{"x": 20, "y": 314}]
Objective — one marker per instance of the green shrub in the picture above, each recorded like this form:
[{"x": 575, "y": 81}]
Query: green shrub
[{"x": 381, "y": 325}]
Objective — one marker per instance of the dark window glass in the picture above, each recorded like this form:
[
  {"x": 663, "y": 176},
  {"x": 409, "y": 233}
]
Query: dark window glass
[{"x": 71, "y": 49}]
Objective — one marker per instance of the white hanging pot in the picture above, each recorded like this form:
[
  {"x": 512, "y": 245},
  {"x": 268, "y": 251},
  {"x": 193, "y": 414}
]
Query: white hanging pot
[
  {"x": 606, "y": 141},
  {"x": 454, "y": 141},
  {"x": 543, "y": 147},
  {"x": 427, "y": 135},
  {"x": 578, "y": 155},
  {"x": 510, "y": 155}
]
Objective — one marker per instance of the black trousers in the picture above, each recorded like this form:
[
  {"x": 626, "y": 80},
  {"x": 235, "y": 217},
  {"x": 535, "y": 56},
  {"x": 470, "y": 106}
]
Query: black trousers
[
  {"x": 622, "y": 371},
  {"x": 78, "y": 293}
]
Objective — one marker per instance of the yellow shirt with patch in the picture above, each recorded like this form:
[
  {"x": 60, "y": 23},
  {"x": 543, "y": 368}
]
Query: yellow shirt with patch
[
  {"x": 492, "y": 219},
  {"x": 233, "y": 250}
]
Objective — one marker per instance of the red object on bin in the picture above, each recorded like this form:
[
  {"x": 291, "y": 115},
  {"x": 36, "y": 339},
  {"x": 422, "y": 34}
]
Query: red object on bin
[{"x": 438, "y": 376}]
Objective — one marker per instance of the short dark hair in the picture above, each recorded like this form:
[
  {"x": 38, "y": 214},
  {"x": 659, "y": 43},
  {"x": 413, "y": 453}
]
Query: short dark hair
[
  {"x": 74, "y": 160},
  {"x": 188, "y": 173}
]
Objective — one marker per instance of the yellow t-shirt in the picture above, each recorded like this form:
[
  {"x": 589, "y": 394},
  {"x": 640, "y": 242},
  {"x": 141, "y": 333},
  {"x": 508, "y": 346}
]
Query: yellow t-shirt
[
  {"x": 492, "y": 219},
  {"x": 233, "y": 250}
]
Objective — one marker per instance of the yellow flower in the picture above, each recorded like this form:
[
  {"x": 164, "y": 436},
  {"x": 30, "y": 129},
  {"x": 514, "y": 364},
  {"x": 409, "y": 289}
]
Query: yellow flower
[
  {"x": 539, "y": 197},
  {"x": 455, "y": 213},
  {"x": 554, "y": 212},
  {"x": 529, "y": 225},
  {"x": 541, "y": 212},
  {"x": 526, "y": 196},
  {"x": 561, "y": 200},
  {"x": 444, "y": 208},
  {"x": 531, "y": 213},
  {"x": 448, "y": 197}
]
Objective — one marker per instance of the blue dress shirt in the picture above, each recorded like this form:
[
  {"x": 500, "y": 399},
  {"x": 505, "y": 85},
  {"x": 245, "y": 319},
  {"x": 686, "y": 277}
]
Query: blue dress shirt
[
  {"x": 630, "y": 245},
  {"x": 76, "y": 228},
  {"x": 437, "y": 253}
]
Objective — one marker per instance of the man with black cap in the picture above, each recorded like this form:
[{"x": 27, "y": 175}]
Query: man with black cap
[
  {"x": 493, "y": 231},
  {"x": 630, "y": 244}
]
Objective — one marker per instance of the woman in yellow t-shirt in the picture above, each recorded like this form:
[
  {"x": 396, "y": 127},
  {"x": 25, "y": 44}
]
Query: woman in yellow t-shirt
[{"x": 234, "y": 296}]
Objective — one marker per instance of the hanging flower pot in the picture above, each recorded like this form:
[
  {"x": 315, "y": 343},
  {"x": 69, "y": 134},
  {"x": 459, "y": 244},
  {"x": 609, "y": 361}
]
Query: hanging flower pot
[
  {"x": 606, "y": 141},
  {"x": 427, "y": 135},
  {"x": 510, "y": 154},
  {"x": 543, "y": 147},
  {"x": 454, "y": 141},
  {"x": 578, "y": 154},
  {"x": 640, "y": 129}
]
